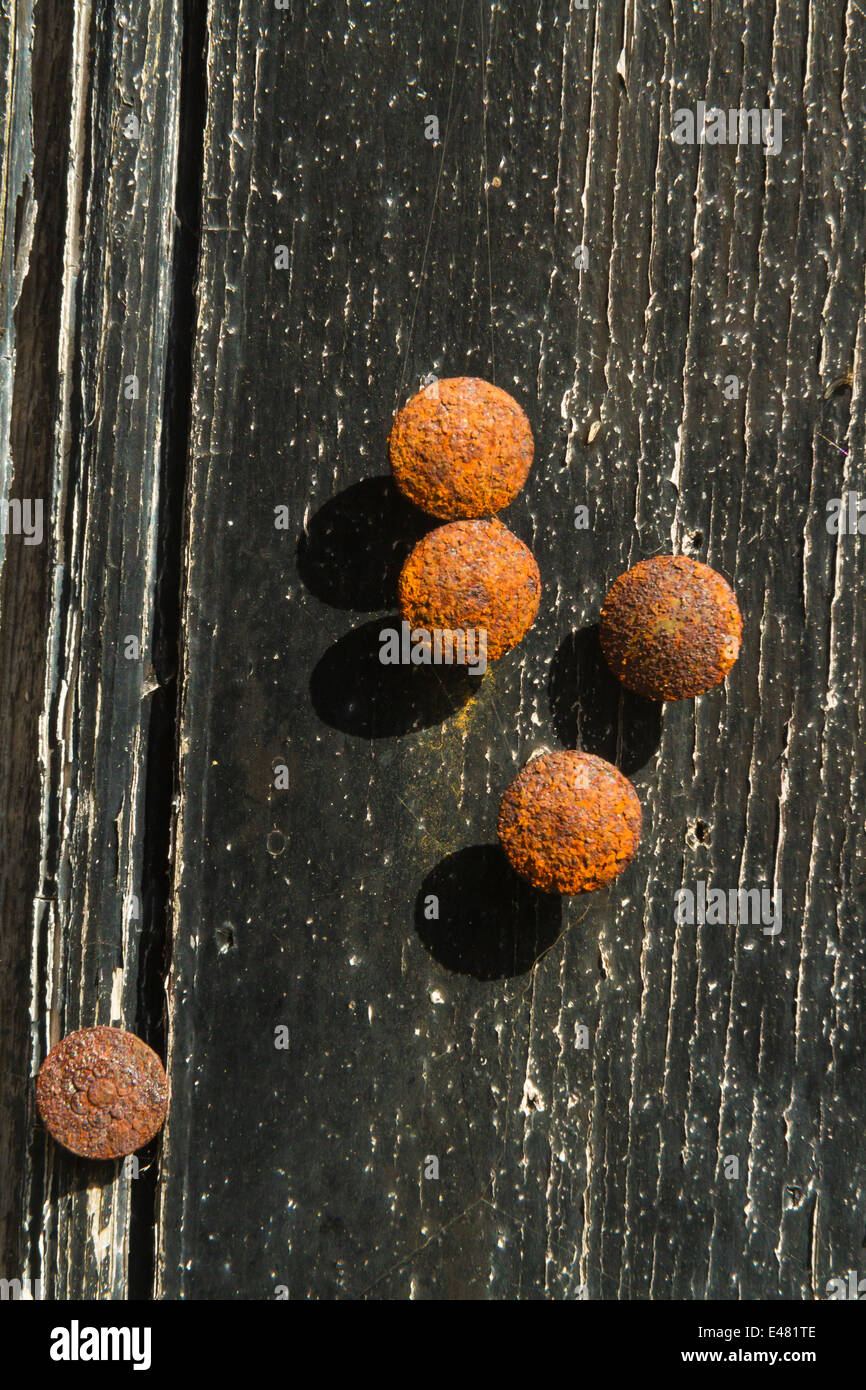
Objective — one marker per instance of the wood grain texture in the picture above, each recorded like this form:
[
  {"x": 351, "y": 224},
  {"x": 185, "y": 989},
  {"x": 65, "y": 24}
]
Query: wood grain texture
[
  {"x": 115, "y": 272},
  {"x": 18, "y": 648},
  {"x": 561, "y": 1170}
]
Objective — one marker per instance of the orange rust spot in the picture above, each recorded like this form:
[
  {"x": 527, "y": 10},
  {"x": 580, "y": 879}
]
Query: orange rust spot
[
  {"x": 472, "y": 574},
  {"x": 670, "y": 628},
  {"x": 461, "y": 447},
  {"x": 569, "y": 822}
]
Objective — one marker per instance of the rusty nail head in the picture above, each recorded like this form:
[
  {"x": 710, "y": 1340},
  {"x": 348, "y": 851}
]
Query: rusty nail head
[
  {"x": 472, "y": 574},
  {"x": 569, "y": 822},
  {"x": 461, "y": 448},
  {"x": 670, "y": 628},
  {"x": 102, "y": 1093}
]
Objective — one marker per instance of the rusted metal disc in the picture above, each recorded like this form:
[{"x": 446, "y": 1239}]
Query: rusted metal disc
[
  {"x": 670, "y": 628},
  {"x": 569, "y": 822},
  {"x": 461, "y": 448},
  {"x": 102, "y": 1093},
  {"x": 471, "y": 575}
]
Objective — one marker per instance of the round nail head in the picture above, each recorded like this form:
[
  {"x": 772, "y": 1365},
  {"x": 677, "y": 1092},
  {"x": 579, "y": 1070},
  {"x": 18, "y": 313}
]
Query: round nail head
[
  {"x": 569, "y": 822},
  {"x": 461, "y": 448},
  {"x": 670, "y": 628},
  {"x": 471, "y": 575},
  {"x": 102, "y": 1093}
]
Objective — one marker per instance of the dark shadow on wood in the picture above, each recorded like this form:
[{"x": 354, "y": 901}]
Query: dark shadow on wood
[
  {"x": 350, "y": 554},
  {"x": 352, "y": 691},
  {"x": 491, "y": 923},
  {"x": 592, "y": 711}
]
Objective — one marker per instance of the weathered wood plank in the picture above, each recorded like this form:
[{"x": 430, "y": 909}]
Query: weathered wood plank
[
  {"x": 560, "y": 1169},
  {"x": 113, "y": 264},
  {"x": 19, "y": 639}
]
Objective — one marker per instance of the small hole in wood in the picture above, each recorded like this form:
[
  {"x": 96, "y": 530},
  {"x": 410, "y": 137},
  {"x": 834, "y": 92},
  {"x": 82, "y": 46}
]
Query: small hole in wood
[
  {"x": 225, "y": 939},
  {"x": 698, "y": 833}
]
